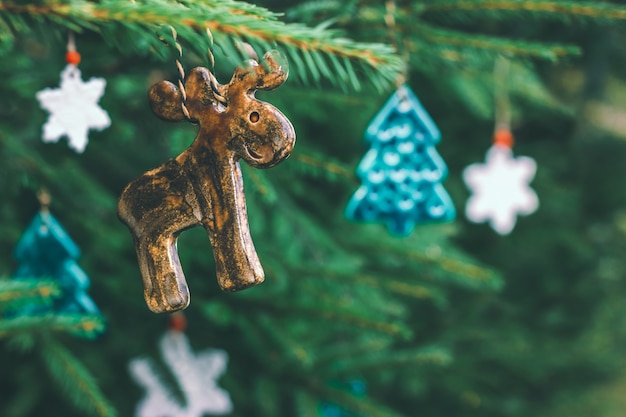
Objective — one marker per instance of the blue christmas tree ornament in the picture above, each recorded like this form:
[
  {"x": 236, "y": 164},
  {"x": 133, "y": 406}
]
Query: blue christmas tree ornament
[
  {"x": 401, "y": 173},
  {"x": 45, "y": 250}
]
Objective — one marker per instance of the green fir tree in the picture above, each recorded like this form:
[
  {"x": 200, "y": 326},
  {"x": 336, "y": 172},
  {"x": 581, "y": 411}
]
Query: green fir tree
[{"x": 451, "y": 320}]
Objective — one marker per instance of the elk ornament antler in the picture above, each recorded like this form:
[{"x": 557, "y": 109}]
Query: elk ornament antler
[{"x": 203, "y": 185}]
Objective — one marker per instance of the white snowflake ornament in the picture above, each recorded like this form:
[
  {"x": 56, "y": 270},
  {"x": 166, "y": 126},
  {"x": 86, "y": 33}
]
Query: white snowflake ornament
[
  {"x": 73, "y": 108},
  {"x": 500, "y": 189},
  {"x": 196, "y": 376}
]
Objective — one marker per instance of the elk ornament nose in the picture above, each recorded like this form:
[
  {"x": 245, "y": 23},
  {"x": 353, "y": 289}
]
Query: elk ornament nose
[
  {"x": 269, "y": 146},
  {"x": 285, "y": 144}
]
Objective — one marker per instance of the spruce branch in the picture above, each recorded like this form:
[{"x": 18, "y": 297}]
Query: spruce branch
[
  {"x": 261, "y": 185},
  {"x": 558, "y": 9},
  {"x": 474, "y": 274},
  {"x": 350, "y": 318},
  {"x": 430, "y": 355},
  {"x": 33, "y": 290},
  {"x": 422, "y": 37},
  {"x": 448, "y": 269},
  {"x": 406, "y": 288},
  {"x": 328, "y": 354},
  {"x": 75, "y": 380},
  {"x": 305, "y": 404},
  {"x": 332, "y": 314},
  {"x": 315, "y": 52},
  {"x": 432, "y": 35},
  {"x": 359, "y": 405},
  {"x": 322, "y": 166},
  {"x": 294, "y": 351},
  {"x": 85, "y": 326}
]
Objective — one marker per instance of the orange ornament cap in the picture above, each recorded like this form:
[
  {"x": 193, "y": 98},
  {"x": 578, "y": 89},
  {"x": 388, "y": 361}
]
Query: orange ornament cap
[
  {"x": 72, "y": 57},
  {"x": 503, "y": 137}
]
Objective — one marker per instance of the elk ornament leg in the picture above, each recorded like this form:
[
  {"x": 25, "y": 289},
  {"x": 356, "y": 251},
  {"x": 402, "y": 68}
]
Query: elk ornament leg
[
  {"x": 237, "y": 263},
  {"x": 165, "y": 287}
]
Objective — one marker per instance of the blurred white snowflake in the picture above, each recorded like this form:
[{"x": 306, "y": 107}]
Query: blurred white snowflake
[
  {"x": 196, "y": 376},
  {"x": 500, "y": 189},
  {"x": 73, "y": 108}
]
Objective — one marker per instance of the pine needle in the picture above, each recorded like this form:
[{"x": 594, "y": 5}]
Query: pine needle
[
  {"x": 78, "y": 325},
  {"x": 558, "y": 9},
  {"x": 430, "y": 355},
  {"x": 132, "y": 27},
  {"x": 74, "y": 380},
  {"x": 37, "y": 291}
]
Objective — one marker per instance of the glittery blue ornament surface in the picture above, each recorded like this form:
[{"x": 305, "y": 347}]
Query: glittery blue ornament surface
[
  {"x": 401, "y": 173},
  {"x": 45, "y": 250}
]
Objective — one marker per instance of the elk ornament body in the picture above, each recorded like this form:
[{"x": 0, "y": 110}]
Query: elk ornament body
[{"x": 203, "y": 185}]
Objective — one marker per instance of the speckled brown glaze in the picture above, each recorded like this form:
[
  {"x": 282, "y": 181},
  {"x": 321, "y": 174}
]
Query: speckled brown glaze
[{"x": 203, "y": 185}]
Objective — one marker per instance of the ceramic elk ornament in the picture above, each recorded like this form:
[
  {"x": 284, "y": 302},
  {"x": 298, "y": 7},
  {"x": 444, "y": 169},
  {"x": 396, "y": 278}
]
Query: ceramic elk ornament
[{"x": 203, "y": 185}]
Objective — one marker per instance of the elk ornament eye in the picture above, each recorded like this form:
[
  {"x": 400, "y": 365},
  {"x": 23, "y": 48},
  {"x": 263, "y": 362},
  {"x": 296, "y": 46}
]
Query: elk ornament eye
[{"x": 254, "y": 117}]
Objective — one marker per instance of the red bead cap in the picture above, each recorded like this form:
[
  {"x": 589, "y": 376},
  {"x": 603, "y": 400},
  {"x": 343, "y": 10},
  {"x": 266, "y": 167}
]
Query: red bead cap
[
  {"x": 72, "y": 57},
  {"x": 503, "y": 137},
  {"x": 178, "y": 322}
]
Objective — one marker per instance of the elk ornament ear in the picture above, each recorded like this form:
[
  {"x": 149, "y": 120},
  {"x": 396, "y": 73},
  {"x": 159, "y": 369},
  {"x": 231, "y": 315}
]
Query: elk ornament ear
[
  {"x": 254, "y": 76},
  {"x": 165, "y": 101},
  {"x": 276, "y": 70}
]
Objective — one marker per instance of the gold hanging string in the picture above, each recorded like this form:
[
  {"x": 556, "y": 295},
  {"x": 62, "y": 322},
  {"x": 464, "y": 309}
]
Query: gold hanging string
[
  {"x": 392, "y": 33},
  {"x": 501, "y": 96},
  {"x": 213, "y": 80},
  {"x": 502, "y": 126},
  {"x": 181, "y": 74},
  {"x": 44, "y": 200},
  {"x": 71, "y": 42},
  {"x": 390, "y": 21},
  {"x": 72, "y": 56}
]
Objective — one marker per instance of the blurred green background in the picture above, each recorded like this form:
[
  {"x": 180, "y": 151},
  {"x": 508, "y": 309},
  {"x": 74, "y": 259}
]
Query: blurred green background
[{"x": 453, "y": 320}]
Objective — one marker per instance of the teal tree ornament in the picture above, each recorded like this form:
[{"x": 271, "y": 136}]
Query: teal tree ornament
[
  {"x": 402, "y": 172},
  {"x": 45, "y": 250}
]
